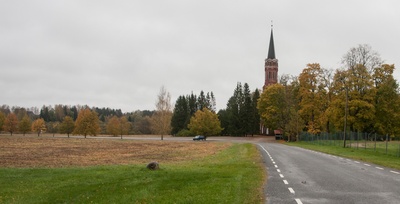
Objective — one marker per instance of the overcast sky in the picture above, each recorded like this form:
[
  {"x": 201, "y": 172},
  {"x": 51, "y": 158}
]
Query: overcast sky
[{"x": 118, "y": 54}]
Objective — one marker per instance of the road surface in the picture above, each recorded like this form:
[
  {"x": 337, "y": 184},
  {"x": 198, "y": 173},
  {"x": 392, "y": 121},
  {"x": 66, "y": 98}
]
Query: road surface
[{"x": 297, "y": 175}]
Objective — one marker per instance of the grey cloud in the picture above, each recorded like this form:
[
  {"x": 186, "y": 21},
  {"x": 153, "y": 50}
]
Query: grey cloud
[{"x": 118, "y": 54}]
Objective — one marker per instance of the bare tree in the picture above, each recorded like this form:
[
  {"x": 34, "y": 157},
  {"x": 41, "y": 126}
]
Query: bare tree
[
  {"x": 161, "y": 119},
  {"x": 363, "y": 55}
]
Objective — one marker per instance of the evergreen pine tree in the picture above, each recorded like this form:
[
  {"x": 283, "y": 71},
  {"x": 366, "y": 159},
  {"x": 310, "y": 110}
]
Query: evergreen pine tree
[
  {"x": 192, "y": 101},
  {"x": 246, "y": 111},
  {"x": 234, "y": 105},
  {"x": 181, "y": 115},
  {"x": 255, "y": 124},
  {"x": 202, "y": 101}
]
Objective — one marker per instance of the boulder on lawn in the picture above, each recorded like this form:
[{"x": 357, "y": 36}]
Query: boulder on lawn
[{"x": 153, "y": 165}]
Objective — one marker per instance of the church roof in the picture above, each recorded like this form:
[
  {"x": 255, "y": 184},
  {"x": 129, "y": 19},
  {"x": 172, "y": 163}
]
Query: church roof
[{"x": 271, "y": 50}]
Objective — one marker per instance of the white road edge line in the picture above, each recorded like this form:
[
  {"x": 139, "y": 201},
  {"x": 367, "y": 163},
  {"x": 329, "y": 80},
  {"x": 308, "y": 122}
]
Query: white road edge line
[
  {"x": 379, "y": 168},
  {"x": 264, "y": 149},
  {"x": 395, "y": 172},
  {"x": 298, "y": 201},
  {"x": 367, "y": 165},
  {"x": 291, "y": 190}
]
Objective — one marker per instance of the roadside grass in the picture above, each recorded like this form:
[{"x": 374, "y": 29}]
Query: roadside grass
[
  {"x": 390, "y": 148},
  {"x": 234, "y": 175},
  {"x": 358, "y": 154}
]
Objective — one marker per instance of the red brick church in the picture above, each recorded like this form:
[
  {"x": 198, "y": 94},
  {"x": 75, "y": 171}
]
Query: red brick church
[
  {"x": 271, "y": 64},
  {"x": 271, "y": 77}
]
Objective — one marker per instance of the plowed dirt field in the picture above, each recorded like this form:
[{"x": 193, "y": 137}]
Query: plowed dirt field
[{"x": 70, "y": 152}]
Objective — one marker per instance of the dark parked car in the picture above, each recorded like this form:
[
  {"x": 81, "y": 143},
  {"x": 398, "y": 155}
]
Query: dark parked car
[{"x": 199, "y": 137}]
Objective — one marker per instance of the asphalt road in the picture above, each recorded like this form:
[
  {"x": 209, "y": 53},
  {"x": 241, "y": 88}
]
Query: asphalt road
[{"x": 296, "y": 175}]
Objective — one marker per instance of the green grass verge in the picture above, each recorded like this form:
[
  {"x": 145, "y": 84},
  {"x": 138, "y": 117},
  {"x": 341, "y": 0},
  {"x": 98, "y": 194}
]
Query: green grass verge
[
  {"x": 390, "y": 148},
  {"x": 352, "y": 153},
  {"x": 234, "y": 175}
]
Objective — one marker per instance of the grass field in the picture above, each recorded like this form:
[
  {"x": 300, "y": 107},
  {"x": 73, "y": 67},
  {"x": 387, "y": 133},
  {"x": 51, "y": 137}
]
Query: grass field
[
  {"x": 373, "y": 143},
  {"x": 366, "y": 155},
  {"x": 202, "y": 172}
]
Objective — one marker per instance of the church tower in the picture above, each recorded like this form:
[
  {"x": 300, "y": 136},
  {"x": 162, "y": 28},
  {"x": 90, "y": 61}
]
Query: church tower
[{"x": 271, "y": 64}]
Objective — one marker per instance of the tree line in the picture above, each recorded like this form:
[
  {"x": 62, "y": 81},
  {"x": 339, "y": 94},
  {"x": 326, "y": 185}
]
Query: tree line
[
  {"x": 83, "y": 120},
  {"x": 362, "y": 96},
  {"x": 65, "y": 119}
]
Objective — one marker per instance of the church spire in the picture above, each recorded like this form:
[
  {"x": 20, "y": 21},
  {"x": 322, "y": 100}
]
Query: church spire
[
  {"x": 271, "y": 64},
  {"x": 271, "y": 50}
]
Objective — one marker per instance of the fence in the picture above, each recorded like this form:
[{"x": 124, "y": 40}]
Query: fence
[{"x": 371, "y": 142}]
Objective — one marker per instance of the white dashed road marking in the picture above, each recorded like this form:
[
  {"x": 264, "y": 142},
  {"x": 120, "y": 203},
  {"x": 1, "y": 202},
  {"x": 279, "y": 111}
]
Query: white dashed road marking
[
  {"x": 291, "y": 190},
  {"x": 298, "y": 201},
  {"x": 365, "y": 164}
]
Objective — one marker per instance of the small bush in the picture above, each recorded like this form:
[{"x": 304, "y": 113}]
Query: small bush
[{"x": 185, "y": 133}]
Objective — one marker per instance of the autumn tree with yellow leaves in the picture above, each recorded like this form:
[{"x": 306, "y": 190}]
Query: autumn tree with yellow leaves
[
  {"x": 25, "y": 125},
  {"x": 273, "y": 108},
  {"x": 313, "y": 97},
  {"x": 38, "y": 126},
  {"x": 87, "y": 123},
  {"x": 387, "y": 101},
  {"x": 2, "y": 120},
  {"x": 11, "y": 123},
  {"x": 113, "y": 126},
  {"x": 118, "y": 126},
  {"x": 67, "y": 126},
  {"x": 205, "y": 122}
]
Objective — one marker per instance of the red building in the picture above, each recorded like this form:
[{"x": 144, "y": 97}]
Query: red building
[
  {"x": 271, "y": 76},
  {"x": 271, "y": 64}
]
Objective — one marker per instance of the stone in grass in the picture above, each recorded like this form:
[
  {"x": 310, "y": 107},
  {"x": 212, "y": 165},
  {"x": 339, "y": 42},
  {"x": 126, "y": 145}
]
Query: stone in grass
[{"x": 153, "y": 165}]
